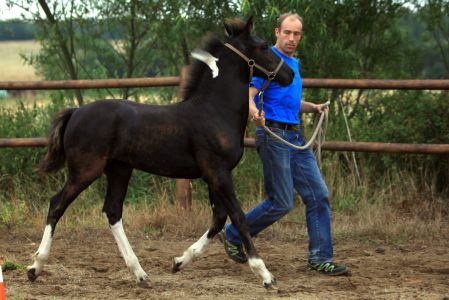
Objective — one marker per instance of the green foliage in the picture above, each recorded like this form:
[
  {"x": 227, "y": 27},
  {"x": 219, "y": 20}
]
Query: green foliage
[
  {"x": 11, "y": 266},
  {"x": 399, "y": 117},
  {"x": 343, "y": 39},
  {"x": 435, "y": 15},
  {"x": 21, "y": 123},
  {"x": 16, "y": 30}
]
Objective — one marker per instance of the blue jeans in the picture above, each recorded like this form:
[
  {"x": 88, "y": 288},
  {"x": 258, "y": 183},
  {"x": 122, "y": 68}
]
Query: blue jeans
[{"x": 285, "y": 170}]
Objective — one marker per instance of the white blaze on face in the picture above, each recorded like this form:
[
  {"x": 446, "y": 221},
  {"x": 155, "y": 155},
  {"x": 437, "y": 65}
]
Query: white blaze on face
[{"x": 208, "y": 59}]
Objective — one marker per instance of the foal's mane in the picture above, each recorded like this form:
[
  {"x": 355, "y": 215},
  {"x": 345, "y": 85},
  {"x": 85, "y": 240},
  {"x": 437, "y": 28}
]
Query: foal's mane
[{"x": 211, "y": 43}]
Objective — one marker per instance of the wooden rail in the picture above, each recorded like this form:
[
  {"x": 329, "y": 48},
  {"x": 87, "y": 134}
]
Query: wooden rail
[
  {"x": 89, "y": 84},
  {"x": 329, "y": 146},
  {"x": 175, "y": 81}
]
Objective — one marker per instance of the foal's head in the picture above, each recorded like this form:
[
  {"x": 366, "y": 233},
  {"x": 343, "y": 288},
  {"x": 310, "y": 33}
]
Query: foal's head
[{"x": 239, "y": 35}]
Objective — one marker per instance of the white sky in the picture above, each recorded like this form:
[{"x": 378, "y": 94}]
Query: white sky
[{"x": 7, "y": 13}]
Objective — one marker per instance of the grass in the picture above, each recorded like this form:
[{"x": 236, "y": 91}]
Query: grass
[
  {"x": 11, "y": 62},
  {"x": 399, "y": 210}
]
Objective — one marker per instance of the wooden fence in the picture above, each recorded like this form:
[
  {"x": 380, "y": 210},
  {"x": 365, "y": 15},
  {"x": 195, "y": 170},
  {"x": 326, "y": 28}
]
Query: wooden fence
[{"x": 183, "y": 187}]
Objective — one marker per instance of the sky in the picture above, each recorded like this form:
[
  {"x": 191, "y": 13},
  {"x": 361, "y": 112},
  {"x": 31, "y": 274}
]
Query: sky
[{"x": 7, "y": 13}]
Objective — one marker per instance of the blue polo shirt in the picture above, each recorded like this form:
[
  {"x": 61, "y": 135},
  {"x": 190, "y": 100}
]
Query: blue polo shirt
[{"x": 281, "y": 104}]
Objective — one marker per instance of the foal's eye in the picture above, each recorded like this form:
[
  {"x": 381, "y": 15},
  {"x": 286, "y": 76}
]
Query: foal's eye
[{"x": 264, "y": 46}]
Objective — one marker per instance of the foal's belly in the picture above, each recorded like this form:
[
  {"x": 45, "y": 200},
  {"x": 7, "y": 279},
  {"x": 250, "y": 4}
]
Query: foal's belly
[{"x": 167, "y": 163}]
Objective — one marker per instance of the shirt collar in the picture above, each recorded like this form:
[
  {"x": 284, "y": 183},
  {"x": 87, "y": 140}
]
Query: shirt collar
[{"x": 279, "y": 53}]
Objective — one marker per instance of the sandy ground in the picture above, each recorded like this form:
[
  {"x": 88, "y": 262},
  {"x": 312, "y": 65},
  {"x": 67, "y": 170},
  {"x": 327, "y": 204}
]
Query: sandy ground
[{"x": 87, "y": 265}]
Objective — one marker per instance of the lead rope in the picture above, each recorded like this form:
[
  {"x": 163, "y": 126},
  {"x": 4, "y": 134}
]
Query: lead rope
[{"x": 318, "y": 131}]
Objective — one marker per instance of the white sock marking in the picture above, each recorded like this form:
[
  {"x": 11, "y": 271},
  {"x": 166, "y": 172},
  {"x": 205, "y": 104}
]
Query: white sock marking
[
  {"x": 127, "y": 252},
  {"x": 258, "y": 267},
  {"x": 208, "y": 59},
  {"x": 193, "y": 251},
  {"x": 42, "y": 254}
]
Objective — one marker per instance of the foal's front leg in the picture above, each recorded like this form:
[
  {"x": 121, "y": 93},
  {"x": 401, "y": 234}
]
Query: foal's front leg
[
  {"x": 256, "y": 263},
  {"x": 219, "y": 219},
  {"x": 221, "y": 184}
]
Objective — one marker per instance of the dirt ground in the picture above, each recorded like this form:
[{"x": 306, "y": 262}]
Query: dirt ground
[{"x": 87, "y": 265}]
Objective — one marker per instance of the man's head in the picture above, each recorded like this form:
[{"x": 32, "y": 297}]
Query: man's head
[{"x": 288, "y": 33}]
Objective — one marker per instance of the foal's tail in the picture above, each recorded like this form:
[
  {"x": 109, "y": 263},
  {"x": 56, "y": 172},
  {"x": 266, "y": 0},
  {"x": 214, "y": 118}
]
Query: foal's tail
[{"x": 55, "y": 158}]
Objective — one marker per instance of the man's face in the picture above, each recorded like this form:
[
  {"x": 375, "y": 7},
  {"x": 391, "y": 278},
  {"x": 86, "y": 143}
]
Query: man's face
[{"x": 288, "y": 36}]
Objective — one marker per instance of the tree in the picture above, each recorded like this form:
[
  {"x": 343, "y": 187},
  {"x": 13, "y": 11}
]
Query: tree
[
  {"x": 121, "y": 39},
  {"x": 435, "y": 14}
]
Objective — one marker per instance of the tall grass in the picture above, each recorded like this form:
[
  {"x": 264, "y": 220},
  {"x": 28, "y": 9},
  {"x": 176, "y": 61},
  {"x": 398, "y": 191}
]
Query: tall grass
[{"x": 396, "y": 208}]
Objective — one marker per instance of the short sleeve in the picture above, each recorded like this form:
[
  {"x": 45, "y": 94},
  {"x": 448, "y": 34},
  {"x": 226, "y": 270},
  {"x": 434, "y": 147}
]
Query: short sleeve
[{"x": 257, "y": 82}]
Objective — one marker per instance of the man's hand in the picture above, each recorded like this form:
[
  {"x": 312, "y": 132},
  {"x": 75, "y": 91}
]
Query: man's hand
[
  {"x": 321, "y": 107},
  {"x": 253, "y": 110},
  {"x": 310, "y": 107},
  {"x": 259, "y": 120}
]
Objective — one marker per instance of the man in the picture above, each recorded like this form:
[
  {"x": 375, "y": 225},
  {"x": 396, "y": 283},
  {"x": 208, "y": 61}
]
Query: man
[{"x": 287, "y": 169}]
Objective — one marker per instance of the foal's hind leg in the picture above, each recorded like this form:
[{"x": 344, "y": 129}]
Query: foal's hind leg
[
  {"x": 219, "y": 219},
  {"x": 58, "y": 204},
  {"x": 118, "y": 175}
]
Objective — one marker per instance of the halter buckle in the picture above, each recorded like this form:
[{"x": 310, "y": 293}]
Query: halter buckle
[
  {"x": 271, "y": 75},
  {"x": 251, "y": 63}
]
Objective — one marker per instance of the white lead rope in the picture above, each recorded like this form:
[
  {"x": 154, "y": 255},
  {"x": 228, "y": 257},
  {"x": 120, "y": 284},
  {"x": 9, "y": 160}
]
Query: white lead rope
[{"x": 318, "y": 128}]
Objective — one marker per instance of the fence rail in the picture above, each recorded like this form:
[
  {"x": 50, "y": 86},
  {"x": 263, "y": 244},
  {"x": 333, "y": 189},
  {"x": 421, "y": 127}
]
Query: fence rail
[
  {"x": 329, "y": 146},
  {"x": 175, "y": 81},
  {"x": 90, "y": 84}
]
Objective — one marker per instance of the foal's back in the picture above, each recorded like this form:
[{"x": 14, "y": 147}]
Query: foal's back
[{"x": 153, "y": 138}]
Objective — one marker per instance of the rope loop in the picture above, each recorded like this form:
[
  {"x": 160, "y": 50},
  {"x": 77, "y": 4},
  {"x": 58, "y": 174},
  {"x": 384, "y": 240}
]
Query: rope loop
[{"x": 320, "y": 127}]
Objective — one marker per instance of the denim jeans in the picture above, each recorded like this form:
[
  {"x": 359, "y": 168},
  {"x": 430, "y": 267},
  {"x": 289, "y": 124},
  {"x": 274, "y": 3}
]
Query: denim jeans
[{"x": 285, "y": 170}]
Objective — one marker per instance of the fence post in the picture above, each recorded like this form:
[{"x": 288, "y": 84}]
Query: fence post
[{"x": 183, "y": 186}]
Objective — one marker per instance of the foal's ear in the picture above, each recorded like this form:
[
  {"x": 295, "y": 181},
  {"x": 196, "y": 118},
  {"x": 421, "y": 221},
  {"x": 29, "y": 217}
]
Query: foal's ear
[
  {"x": 249, "y": 25},
  {"x": 235, "y": 27},
  {"x": 228, "y": 29}
]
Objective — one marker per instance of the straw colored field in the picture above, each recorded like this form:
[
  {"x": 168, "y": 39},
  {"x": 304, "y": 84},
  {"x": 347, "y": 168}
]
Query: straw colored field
[{"x": 12, "y": 64}]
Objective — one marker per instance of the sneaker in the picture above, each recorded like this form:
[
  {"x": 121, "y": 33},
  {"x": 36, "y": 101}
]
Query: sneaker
[
  {"x": 328, "y": 268},
  {"x": 235, "y": 252}
]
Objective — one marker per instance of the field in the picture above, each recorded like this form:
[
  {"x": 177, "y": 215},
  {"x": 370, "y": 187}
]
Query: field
[
  {"x": 12, "y": 65},
  {"x": 87, "y": 265},
  {"x": 391, "y": 256}
]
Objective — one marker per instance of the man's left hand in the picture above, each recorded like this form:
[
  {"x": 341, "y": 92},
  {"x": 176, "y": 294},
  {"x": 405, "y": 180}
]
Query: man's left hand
[{"x": 321, "y": 107}]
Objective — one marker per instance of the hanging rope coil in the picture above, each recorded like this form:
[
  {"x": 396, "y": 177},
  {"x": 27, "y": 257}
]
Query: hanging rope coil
[{"x": 319, "y": 130}]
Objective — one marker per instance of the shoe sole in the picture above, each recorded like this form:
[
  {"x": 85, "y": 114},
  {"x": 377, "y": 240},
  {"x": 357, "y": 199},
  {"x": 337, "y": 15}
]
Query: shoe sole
[{"x": 343, "y": 272}]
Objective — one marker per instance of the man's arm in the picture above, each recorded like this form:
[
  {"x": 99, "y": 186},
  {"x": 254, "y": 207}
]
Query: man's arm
[
  {"x": 309, "y": 107},
  {"x": 253, "y": 110}
]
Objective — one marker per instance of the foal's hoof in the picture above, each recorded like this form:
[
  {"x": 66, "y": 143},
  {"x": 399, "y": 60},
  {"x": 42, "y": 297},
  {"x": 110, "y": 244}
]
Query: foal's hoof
[
  {"x": 271, "y": 285},
  {"x": 144, "y": 284},
  {"x": 31, "y": 273},
  {"x": 176, "y": 266}
]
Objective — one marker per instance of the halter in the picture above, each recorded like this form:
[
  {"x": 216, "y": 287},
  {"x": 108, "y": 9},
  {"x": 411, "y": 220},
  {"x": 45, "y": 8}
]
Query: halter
[{"x": 251, "y": 65}]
